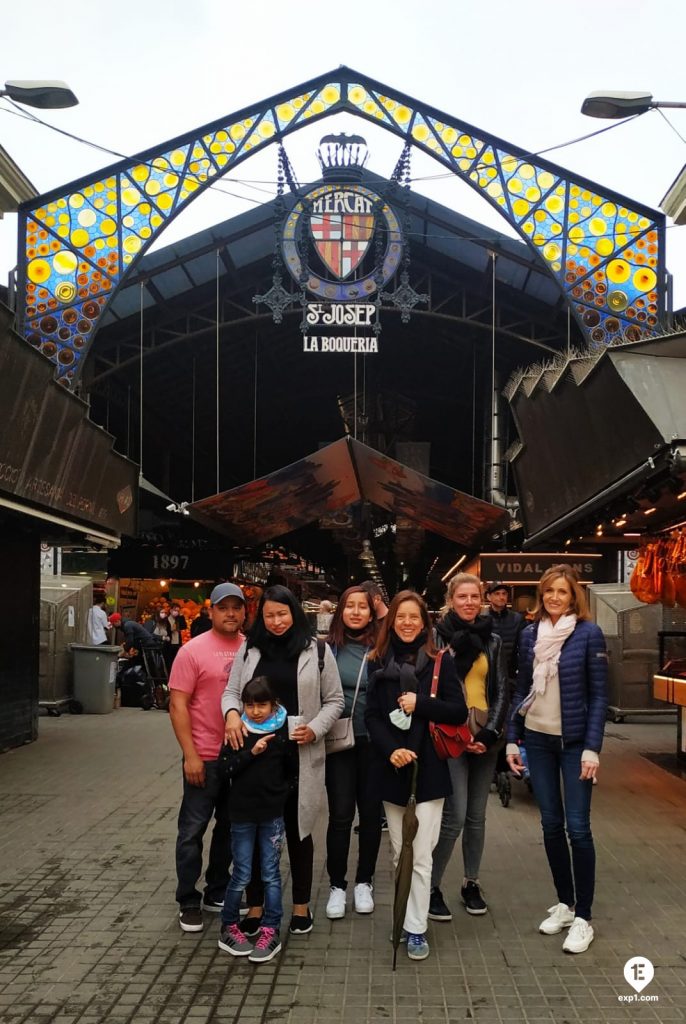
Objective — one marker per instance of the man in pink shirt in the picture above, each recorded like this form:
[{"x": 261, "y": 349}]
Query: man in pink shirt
[{"x": 197, "y": 681}]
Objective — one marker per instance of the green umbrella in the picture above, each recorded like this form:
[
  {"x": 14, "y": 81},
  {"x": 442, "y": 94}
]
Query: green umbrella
[{"x": 403, "y": 870}]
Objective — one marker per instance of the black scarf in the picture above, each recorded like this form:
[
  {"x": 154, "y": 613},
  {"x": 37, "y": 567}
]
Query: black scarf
[
  {"x": 402, "y": 661},
  {"x": 281, "y": 648},
  {"x": 352, "y": 636},
  {"x": 467, "y": 639}
]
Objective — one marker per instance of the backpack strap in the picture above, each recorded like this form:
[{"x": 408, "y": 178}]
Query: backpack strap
[{"x": 321, "y": 648}]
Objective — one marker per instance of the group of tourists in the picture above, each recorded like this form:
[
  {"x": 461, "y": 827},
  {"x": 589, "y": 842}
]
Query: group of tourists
[{"x": 269, "y": 722}]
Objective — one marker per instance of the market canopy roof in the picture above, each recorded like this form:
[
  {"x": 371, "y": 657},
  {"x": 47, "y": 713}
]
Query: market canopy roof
[
  {"x": 335, "y": 477},
  {"x": 596, "y": 429},
  {"x": 56, "y": 465}
]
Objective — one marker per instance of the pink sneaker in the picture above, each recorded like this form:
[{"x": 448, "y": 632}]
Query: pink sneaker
[{"x": 267, "y": 946}]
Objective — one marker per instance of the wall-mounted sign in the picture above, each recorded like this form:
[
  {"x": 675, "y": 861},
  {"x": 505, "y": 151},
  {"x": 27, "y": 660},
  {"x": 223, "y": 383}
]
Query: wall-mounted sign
[
  {"x": 525, "y": 567},
  {"x": 339, "y": 315}
]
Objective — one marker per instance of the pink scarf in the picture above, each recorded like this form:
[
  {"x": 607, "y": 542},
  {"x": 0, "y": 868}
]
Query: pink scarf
[{"x": 548, "y": 649}]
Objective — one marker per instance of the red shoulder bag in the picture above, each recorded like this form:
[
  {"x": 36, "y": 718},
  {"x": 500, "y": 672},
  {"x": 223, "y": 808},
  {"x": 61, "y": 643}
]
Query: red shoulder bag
[{"x": 449, "y": 740}]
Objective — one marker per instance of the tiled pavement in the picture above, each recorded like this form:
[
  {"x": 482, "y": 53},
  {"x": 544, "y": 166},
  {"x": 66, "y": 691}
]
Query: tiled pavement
[{"x": 88, "y": 924}]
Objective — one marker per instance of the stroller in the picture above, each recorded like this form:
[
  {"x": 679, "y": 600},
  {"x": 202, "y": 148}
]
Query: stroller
[
  {"x": 143, "y": 681},
  {"x": 158, "y": 677},
  {"x": 503, "y": 782}
]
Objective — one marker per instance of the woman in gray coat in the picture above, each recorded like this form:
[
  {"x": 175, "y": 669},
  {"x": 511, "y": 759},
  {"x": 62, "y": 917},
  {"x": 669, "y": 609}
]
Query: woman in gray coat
[{"x": 280, "y": 647}]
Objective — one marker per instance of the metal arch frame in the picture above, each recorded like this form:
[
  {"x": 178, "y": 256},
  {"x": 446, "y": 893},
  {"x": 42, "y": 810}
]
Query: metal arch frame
[{"x": 78, "y": 242}]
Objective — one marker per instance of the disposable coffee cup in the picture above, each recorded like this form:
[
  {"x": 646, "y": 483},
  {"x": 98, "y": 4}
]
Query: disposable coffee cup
[{"x": 293, "y": 722}]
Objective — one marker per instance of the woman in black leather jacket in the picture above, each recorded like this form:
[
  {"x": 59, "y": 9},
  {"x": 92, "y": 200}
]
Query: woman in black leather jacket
[{"x": 477, "y": 654}]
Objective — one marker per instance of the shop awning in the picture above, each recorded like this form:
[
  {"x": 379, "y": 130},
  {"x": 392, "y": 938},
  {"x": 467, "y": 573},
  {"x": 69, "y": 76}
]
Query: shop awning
[
  {"x": 55, "y": 463},
  {"x": 331, "y": 479},
  {"x": 595, "y": 430}
]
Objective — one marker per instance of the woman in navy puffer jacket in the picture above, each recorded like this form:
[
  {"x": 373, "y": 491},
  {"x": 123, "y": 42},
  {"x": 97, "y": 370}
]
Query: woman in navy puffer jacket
[{"x": 559, "y": 712}]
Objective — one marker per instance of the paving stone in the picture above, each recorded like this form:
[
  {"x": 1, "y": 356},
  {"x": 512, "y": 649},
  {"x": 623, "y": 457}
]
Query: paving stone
[{"x": 89, "y": 929}]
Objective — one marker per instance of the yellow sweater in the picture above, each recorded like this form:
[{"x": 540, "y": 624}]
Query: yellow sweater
[{"x": 475, "y": 684}]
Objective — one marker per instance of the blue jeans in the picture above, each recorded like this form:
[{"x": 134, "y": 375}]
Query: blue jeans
[
  {"x": 549, "y": 762},
  {"x": 198, "y": 805},
  {"x": 464, "y": 811},
  {"x": 269, "y": 836}
]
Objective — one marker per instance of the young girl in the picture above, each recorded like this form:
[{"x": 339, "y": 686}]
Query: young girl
[{"x": 262, "y": 775}]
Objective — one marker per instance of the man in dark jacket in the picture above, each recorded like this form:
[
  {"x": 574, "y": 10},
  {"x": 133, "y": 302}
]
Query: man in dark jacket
[{"x": 507, "y": 623}]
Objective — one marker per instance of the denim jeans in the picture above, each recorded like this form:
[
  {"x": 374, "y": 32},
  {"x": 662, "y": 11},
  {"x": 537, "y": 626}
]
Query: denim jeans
[
  {"x": 549, "y": 761},
  {"x": 465, "y": 812},
  {"x": 198, "y": 805},
  {"x": 268, "y": 837},
  {"x": 300, "y": 856},
  {"x": 347, "y": 786}
]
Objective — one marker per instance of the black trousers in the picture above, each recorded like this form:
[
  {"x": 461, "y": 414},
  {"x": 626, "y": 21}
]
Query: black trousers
[
  {"x": 300, "y": 856},
  {"x": 347, "y": 787}
]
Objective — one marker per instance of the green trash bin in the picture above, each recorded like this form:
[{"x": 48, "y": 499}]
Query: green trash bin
[{"x": 95, "y": 673}]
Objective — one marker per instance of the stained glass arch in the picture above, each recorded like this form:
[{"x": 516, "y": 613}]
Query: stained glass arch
[{"x": 78, "y": 242}]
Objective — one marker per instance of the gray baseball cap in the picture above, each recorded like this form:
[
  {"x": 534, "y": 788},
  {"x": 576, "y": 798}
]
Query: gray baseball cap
[{"x": 223, "y": 590}]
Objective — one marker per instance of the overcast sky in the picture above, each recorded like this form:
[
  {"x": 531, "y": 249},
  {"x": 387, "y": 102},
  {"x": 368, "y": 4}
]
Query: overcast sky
[{"x": 148, "y": 72}]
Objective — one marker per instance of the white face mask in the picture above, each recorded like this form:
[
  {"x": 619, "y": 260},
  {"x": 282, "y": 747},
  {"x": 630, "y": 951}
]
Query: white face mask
[
  {"x": 400, "y": 719},
  {"x": 163, "y": 615}
]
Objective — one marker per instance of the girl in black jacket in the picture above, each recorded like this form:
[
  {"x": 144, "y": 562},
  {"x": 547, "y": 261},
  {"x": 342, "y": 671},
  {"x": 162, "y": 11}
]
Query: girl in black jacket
[{"x": 399, "y": 709}]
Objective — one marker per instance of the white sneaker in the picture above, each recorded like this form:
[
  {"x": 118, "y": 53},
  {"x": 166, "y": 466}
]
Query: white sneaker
[
  {"x": 335, "y": 908},
  {"x": 560, "y": 917},
  {"x": 363, "y": 901},
  {"x": 579, "y": 937}
]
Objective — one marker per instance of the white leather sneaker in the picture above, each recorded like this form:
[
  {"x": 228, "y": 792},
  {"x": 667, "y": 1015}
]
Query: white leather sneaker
[
  {"x": 560, "y": 917},
  {"x": 335, "y": 908},
  {"x": 579, "y": 937},
  {"x": 363, "y": 901}
]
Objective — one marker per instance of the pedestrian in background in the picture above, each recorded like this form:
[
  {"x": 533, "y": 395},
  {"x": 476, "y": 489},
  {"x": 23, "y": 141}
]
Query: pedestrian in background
[
  {"x": 507, "y": 623},
  {"x": 177, "y": 624},
  {"x": 377, "y": 596},
  {"x": 560, "y": 707},
  {"x": 201, "y": 623},
  {"x": 98, "y": 623}
]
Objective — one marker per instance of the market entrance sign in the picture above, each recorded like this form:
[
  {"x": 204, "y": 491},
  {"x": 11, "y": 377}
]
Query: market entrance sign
[
  {"x": 332, "y": 316},
  {"x": 77, "y": 243}
]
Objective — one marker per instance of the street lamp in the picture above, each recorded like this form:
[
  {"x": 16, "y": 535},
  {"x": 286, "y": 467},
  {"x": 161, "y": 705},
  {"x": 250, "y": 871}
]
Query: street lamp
[
  {"x": 43, "y": 94},
  {"x": 622, "y": 104},
  {"x": 627, "y": 104}
]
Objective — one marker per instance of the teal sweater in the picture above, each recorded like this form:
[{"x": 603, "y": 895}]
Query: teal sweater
[{"x": 348, "y": 659}]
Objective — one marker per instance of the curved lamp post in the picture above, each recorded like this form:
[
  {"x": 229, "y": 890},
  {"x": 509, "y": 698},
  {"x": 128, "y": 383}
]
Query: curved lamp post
[
  {"x": 626, "y": 104},
  {"x": 622, "y": 104},
  {"x": 48, "y": 95}
]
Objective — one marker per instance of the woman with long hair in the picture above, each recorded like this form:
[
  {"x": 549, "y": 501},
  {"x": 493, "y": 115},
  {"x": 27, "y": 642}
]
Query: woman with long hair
[
  {"x": 560, "y": 706},
  {"x": 399, "y": 710},
  {"x": 279, "y": 646},
  {"x": 352, "y": 634},
  {"x": 476, "y": 652}
]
